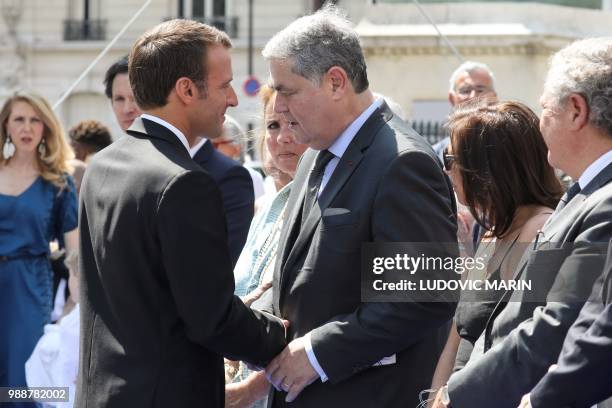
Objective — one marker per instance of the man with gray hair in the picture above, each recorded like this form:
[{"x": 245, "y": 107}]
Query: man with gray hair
[
  {"x": 367, "y": 177},
  {"x": 471, "y": 81},
  {"x": 527, "y": 329}
]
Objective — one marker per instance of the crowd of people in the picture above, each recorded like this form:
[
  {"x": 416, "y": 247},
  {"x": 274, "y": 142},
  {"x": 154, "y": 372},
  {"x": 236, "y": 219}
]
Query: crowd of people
[{"x": 189, "y": 281}]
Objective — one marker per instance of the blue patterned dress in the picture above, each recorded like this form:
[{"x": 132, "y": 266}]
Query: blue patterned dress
[
  {"x": 28, "y": 222},
  {"x": 256, "y": 262}
]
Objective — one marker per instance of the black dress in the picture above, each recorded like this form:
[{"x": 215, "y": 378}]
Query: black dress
[{"x": 475, "y": 307}]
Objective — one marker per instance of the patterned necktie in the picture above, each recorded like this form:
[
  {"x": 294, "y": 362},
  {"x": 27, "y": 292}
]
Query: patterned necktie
[{"x": 314, "y": 182}]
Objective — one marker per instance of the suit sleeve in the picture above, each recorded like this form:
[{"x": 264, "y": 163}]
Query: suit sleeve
[
  {"x": 414, "y": 203},
  {"x": 515, "y": 365},
  {"x": 198, "y": 268},
  {"x": 586, "y": 365},
  {"x": 239, "y": 204}
]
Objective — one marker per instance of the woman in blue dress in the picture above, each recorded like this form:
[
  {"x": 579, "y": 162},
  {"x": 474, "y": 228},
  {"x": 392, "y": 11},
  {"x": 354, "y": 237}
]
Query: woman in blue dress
[{"x": 37, "y": 205}]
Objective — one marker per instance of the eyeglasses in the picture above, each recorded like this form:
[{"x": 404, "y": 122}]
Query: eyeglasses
[
  {"x": 467, "y": 90},
  {"x": 448, "y": 160}
]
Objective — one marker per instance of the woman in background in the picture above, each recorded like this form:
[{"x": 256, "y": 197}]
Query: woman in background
[
  {"x": 37, "y": 205},
  {"x": 253, "y": 271},
  {"x": 497, "y": 161}
]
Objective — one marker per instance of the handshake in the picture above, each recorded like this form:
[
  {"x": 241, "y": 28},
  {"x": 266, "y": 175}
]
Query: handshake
[{"x": 290, "y": 371}]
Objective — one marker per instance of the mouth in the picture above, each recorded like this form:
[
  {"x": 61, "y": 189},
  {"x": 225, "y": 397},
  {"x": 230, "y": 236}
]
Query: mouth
[
  {"x": 26, "y": 140},
  {"x": 286, "y": 155}
]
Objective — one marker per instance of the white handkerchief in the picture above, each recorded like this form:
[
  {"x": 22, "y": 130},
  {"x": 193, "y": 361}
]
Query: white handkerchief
[{"x": 385, "y": 361}]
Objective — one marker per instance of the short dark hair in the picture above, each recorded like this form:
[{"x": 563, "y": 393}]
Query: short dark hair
[
  {"x": 91, "y": 133},
  {"x": 502, "y": 159},
  {"x": 119, "y": 67},
  {"x": 169, "y": 51}
]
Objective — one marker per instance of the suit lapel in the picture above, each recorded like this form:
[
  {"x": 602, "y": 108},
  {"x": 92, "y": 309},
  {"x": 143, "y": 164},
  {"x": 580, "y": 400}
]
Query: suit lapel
[
  {"x": 347, "y": 164},
  {"x": 349, "y": 161},
  {"x": 555, "y": 224},
  {"x": 292, "y": 224},
  {"x": 204, "y": 154}
]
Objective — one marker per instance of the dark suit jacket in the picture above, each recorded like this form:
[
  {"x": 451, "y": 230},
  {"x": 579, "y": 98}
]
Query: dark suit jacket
[
  {"x": 237, "y": 194},
  {"x": 157, "y": 304},
  {"x": 524, "y": 338},
  {"x": 582, "y": 377},
  {"x": 387, "y": 187}
]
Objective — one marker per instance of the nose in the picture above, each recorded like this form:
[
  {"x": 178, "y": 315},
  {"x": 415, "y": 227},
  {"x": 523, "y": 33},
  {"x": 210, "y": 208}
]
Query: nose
[
  {"x": 232, "y": 99},
  {"x": 285, "y": 135},
  {"x": 130, "y": 106}
]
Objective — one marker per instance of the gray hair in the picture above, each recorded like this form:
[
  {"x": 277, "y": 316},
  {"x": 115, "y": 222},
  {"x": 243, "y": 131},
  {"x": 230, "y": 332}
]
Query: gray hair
[
  {"x": 470, "y": 67},
  {"x": 317, "y": 42},
  {"x": 584, "y": 67},
  {"x": 395, "y": 107},
  {"x": 233, "y": 131}
]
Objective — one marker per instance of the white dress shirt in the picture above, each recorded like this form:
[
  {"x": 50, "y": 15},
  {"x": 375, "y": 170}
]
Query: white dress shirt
[
  {"x": 594, "y": 169},
  {"x": 344, "y": 140},
  {"x": 338, "y": 148},
  {"x": 196, "y": 148}
]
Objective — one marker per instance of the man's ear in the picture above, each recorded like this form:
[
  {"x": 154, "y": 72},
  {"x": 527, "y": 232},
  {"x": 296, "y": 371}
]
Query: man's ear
[
  {"x": 337, "y": 81},
  {"x": 578, "y": 108},
  {"x": 185, "y": 90},
  {"x": 451, "y": 98}
]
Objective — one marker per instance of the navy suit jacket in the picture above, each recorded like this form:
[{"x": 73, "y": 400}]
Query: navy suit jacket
[
  {"x": 236, "y": 187},
  {"x": 583, "y": 375},
  {"x": 158, "y": 310}
]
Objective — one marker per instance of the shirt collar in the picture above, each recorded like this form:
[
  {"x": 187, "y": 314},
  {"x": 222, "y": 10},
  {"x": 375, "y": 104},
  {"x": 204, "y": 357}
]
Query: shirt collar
[
  {"x": 342, "y": 142},
  {"x": 196, "y": 148},
  {"x": 168, "y": 126},
  {"x": 594, "y": 169}
]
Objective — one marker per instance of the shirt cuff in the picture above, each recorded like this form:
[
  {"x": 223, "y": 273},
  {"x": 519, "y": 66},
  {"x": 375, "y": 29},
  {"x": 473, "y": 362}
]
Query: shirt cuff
[{"x": 312, "y": 358}]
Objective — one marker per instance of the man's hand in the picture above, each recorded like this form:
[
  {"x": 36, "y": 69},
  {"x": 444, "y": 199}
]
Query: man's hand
[
  {"x": 525, "y": 402},
  {"x": 291, "y": 371},
  {"x": 246, "y": 393}
]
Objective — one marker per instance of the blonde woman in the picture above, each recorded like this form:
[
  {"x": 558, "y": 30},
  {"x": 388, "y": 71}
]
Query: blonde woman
[
  {"x": 253, "y": 271},
  {"x": 37, "y": 205}
]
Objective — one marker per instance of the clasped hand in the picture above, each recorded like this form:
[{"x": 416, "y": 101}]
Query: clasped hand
[{"x": 291, "y": 370}]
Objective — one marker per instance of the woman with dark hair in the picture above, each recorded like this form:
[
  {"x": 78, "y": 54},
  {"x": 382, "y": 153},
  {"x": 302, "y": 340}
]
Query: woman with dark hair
[{"x": 497, "y": 161}]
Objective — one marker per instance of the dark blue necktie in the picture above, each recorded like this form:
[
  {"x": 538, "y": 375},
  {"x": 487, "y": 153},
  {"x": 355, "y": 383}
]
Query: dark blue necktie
[{"x": 314, "y": 181}]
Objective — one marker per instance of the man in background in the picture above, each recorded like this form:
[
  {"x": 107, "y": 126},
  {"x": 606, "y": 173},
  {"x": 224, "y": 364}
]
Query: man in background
[
  {"x": 470, "y": 82},
  {"x": 158, "y": 310},
  {"x": 232, "y": 179},
  {"x": 117, "y": 88}
]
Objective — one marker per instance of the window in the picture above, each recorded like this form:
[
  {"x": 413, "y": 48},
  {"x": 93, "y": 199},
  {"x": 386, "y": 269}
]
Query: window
[
  {"x": 214, "y": 12},
  {"x": 90, "y": 27}
]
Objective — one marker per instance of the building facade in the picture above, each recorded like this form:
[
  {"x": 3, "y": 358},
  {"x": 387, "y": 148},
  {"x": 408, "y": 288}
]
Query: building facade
[{"x": 47, "y": 44}]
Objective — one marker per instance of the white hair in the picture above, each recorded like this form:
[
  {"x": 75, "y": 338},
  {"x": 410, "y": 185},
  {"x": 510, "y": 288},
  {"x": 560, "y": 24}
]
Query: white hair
[
  {"x": 395, "y": 107},
  {"x": 317, "y": 42},
  {"x": 233, "y": 131},
  {"x": 470, "y": 67},
  {"x": 584, "y": 67}
]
